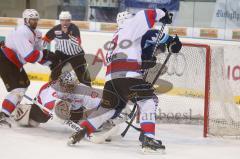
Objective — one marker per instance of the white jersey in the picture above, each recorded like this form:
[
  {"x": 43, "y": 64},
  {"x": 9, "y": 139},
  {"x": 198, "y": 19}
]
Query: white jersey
[
  {"x": 23, "y": 45},
  {"x": 125, "y": 60},
  {"x": 78, "y": 98}
]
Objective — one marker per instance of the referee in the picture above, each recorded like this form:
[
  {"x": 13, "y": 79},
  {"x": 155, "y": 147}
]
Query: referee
[{"x": 68, "y": 48}]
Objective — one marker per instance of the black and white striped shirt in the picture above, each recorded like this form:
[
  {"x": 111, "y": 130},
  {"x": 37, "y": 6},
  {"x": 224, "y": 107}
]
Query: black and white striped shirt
[{"x": 69, "y": 43}]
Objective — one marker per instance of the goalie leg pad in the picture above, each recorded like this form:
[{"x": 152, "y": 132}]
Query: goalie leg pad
[{"x": 22, "y": 116}]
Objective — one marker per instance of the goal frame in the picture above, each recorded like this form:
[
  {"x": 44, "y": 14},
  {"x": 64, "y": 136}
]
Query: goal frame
[{"x": 207, "y": 82}]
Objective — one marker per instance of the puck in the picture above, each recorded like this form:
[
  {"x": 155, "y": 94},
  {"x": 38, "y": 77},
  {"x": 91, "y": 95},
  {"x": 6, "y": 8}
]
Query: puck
[{"x": 108, "y": 140}]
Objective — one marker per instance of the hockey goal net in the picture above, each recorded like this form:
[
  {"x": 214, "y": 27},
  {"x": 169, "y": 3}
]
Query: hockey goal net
[{"x": 195, "y": 87}]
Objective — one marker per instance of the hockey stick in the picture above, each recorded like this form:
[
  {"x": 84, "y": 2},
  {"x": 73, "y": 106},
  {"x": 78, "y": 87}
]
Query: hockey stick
[
  {"x": 38, "y": 104},
  {"x": 134, "y": 127},
  {"x": 70, "y": 123},
  {"x": 155, "y": 48},
  {"x": 161, "y": 69},
  {"x": 132, "y": 116}
]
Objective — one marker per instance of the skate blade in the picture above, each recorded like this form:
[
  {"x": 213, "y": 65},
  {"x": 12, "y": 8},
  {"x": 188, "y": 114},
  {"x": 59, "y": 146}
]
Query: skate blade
[{"x": 148, "y": 151}]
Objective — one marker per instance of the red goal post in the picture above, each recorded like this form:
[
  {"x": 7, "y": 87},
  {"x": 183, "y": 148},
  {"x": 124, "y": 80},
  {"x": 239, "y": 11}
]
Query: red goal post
[{"x": 207, "y": 82}]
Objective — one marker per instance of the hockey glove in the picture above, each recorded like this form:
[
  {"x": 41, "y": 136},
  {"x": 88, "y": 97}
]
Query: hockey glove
[
  {"x": 175, "y": 45},
  {"x": 52, "y": 57},
  {"x": 167, "y": 19}
]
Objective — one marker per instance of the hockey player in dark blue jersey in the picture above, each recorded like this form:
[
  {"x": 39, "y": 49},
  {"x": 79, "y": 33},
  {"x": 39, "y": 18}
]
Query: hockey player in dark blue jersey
[{"x": 148, "y": 44}]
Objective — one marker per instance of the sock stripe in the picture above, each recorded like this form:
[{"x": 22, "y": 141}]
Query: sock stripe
[
  {"x": 148, "y": 127},
  {"x": 90, "y": 128},
  {"x": 8, "y": 106}
]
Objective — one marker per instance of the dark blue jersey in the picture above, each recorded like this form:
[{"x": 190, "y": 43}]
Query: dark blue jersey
[{"x": 149, "y": 41}]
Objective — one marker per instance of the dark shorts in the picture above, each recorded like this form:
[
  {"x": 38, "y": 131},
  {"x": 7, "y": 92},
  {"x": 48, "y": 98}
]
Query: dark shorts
[
  {"x": 12, "y": 76},
  {"x": 118, "y": 92},
  {"x": 77, "y": 62}
]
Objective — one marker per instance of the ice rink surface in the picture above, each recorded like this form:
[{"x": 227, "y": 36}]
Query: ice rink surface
[{"x": 49, "y": 141}]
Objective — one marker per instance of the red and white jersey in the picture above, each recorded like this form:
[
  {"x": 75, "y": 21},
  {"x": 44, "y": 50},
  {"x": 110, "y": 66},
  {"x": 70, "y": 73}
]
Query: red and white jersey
[
  {"x": 48, "y": 95},
  {"x": 125, "y": 59},
  {"x": 23, "y": 45}
]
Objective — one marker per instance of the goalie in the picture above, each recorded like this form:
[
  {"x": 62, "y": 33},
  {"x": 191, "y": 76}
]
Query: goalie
[{"x": 71, "y": 100}]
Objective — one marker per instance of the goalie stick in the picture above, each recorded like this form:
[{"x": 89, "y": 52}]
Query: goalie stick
[{"x": 70, "y": 123}]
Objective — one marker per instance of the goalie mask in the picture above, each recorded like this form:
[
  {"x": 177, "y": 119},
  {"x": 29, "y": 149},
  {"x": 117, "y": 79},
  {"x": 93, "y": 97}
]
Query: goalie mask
[{"x": 68, "y": 81}]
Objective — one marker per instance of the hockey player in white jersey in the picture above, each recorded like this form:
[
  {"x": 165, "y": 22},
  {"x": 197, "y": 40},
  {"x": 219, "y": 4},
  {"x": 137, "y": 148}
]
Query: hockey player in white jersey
[
  {"x": 22, "y": 45},
  {"x": 124, "y": 76}
]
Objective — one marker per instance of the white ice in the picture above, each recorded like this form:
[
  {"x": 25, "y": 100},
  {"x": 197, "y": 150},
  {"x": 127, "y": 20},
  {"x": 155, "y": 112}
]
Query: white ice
[{"x": 49, "y": 141}]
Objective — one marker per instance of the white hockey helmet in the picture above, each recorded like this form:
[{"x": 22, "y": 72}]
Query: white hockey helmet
[
  {"x": 65, "y": 15},
  {"x": 30, "y": 14},
  {"x": 122, "y": 16}
]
